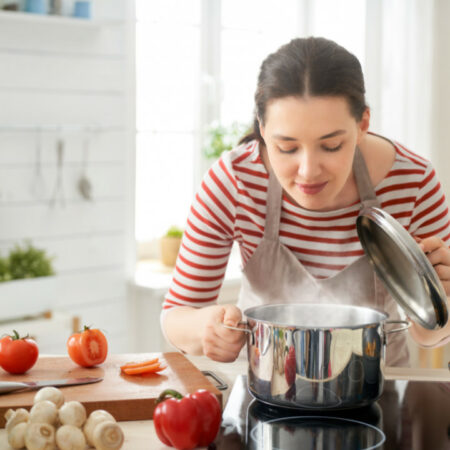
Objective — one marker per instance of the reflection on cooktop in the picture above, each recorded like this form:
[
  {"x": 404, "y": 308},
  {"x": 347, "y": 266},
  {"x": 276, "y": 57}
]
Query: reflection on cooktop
[{"x": 409, "y": 415}]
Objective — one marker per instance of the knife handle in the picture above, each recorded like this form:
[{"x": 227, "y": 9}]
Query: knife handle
[{"x": 11, "y": 386}]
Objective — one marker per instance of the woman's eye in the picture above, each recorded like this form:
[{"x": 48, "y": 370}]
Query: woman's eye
[
  {"x": 287, "y": 150},
  {"x": 332, "y": 149}
]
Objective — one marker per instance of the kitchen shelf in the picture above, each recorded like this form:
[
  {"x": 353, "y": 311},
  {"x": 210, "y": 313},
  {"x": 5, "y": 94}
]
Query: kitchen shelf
[{"x": 43, "y": 19}]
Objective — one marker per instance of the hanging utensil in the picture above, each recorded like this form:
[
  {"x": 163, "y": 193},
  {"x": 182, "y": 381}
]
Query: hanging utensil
[
  {"x": 84, "y": 183},
  {"x": 38, "y": 187},
  {"x": 58, "y": 191}
]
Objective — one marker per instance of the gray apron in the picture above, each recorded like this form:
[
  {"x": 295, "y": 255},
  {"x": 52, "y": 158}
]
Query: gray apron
[{"x": 273, "y": 274}]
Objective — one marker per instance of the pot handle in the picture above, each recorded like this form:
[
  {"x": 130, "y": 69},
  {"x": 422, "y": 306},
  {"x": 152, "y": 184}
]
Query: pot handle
[
  {"x": 222, "y": 386},
  {"x": 406, "y": 324},
  {"x": 245, "y": 330}
]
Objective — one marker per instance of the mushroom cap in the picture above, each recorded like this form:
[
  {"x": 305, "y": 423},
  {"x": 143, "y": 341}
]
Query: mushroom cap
[
  {"x": 44, "y": 412},
  {"x": 15, "y": 417},
  {"x": 69, "y": 437},
  {"x": 72, "y": 413},
  {"x": 16, "y": 435},
  {"x": 51, "y": 393}
]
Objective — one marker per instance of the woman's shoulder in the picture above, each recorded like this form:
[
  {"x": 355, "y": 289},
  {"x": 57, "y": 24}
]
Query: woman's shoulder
[
  {"x": 242, "y": 162},
  {"x": 409, "y": 158}
]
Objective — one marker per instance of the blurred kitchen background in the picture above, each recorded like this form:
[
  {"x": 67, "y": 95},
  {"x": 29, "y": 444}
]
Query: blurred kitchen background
[{"x": 108, "y": 109}]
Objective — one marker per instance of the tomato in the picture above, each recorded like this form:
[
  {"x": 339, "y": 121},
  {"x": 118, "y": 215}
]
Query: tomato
[
  {"x": 17, "y": 355},
  {"x": 88, "y": 347}
]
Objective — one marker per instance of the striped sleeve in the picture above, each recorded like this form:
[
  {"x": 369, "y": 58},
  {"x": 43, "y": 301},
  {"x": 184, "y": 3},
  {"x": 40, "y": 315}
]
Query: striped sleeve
[
  {"x": 207, "y": 241},
  {"x": 430, "y": 216}
]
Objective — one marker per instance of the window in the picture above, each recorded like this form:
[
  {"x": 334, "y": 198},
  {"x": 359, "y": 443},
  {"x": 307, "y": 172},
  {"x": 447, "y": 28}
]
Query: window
[{"x": 198, "y": 61}]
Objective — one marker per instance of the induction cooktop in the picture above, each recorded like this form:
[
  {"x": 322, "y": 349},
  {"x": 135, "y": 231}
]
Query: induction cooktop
[{"x": 410, "y": 415}]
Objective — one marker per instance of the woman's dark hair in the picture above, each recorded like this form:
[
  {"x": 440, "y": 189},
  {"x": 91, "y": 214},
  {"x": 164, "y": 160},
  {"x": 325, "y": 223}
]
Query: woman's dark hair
[{"x": 308, "y": 66}]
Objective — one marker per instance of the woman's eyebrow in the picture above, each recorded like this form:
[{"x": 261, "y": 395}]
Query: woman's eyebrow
[
  {"x": 283, "y": 138},
  {"x": 333, "y": 134}
]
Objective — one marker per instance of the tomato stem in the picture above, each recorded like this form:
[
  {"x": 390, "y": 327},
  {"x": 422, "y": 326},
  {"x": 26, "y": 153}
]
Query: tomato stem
[
  {"x": 169, "y": 393},
  {"x": 15, "y": 336}
]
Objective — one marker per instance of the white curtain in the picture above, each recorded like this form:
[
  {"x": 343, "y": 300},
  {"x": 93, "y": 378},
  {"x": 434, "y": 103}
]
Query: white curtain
[{"x": 399, "y": 70}]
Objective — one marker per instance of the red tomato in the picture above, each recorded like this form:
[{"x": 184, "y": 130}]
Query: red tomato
[
  {"x": 88, "y": 348},
  {"x": 17, "y": 355}
]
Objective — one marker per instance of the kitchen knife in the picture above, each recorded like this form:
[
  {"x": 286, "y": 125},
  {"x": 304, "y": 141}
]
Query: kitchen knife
[{"x": 11, "y": 386}]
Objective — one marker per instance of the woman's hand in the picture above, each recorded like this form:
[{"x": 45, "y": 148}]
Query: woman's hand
[
  {"x": 439, "y": 256},
  {"x": 220, "y": 343}
]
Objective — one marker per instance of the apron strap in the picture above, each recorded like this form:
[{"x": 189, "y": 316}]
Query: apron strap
[
  {"x": 363, "y": 182},
  {"x": 274, "y": 205}
]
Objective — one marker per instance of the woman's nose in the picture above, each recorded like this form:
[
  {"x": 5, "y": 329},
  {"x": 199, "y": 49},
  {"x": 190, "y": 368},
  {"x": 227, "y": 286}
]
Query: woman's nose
[{"x": 308, "y": 165}]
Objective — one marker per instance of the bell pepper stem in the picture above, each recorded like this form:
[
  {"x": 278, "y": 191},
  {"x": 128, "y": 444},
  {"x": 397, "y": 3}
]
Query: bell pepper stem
[{"x": 169, "y": 393}]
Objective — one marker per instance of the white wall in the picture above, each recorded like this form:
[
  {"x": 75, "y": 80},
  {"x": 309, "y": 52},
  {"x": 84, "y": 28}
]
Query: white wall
[
  {"x": 63, "y": 72},
  {"x": 441, "y": 93}
]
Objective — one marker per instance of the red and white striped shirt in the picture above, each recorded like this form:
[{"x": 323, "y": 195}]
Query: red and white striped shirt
[{"x": 231, "y": 206}]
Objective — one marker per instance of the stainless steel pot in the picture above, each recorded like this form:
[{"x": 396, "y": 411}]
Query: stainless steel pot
[{"x": 310, "y": 356}]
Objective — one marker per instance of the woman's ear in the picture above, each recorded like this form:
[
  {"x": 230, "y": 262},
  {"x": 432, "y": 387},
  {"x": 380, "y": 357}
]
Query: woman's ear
[
  {"x": 261, "y": 128},
  {"x": 363, "y": 124}
]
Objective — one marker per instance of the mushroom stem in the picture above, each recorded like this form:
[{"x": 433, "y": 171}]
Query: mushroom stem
[
  {"x": 40, "y": 436},
  {"x": 93, "y": 420},
  {"x": 108, "y": 436}
]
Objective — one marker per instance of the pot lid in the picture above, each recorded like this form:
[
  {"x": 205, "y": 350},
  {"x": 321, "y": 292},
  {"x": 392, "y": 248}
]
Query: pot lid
[{"x": 403, "y": 267}]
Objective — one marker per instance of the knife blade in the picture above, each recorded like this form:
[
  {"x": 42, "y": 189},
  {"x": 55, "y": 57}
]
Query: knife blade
[{"x": 11, "y": 386}]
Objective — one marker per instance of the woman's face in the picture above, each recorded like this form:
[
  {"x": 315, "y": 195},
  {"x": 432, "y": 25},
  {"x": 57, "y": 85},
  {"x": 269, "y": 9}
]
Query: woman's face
[{"x": 310, "y": 145}]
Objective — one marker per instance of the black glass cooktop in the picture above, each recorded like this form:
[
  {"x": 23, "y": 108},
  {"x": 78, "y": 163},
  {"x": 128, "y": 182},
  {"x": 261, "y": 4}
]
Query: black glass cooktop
[{"x": 412, "y": 415}]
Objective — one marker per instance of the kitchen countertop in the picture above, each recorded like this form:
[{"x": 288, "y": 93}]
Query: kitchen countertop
[{"x": 140, "y": 435}]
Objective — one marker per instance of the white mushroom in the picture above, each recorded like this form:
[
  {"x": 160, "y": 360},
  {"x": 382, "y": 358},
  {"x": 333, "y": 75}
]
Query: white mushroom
[
  {"x": 94, "y": 419},
  {"x": 44, "y": 412},
  {"x": 108, "y": 436},
  {"x": 50, "y": 393},
  {"x": 72, "y": 413},
  {"x": 69, "y": 437},
  {"x": 15, "y": 417},
  {"x": 16, "y": 435},
  {"x": 40, "y": 436}
]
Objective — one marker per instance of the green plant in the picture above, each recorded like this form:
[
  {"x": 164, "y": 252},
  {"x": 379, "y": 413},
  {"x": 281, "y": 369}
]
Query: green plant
[
  {"x": 174, "y": 231},
  {"x": 29, "y": 262},
  {"x": 5, "y": 274},
  {"x": 221, "y": 138}
]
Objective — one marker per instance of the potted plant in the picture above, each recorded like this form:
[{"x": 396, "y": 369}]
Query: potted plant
[
  {"x": 170, "y": 245},
  {"x": 25, "y": 262},
  {"x": 221, "y": 138}
]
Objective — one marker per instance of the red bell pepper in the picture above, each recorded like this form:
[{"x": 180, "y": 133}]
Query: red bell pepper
[{"x": 187, "y": 422}]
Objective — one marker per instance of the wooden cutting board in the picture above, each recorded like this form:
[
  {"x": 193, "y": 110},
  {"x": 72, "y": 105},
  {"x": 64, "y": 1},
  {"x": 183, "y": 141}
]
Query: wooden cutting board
[{"x": 125, "y": 397}]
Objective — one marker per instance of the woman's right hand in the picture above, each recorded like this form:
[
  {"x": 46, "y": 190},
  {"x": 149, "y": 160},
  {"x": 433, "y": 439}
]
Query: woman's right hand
[{"x": 220, "y": 343}]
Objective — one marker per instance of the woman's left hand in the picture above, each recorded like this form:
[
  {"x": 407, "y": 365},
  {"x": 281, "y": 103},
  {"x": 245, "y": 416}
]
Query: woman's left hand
[{"x": 438, "y": 253}]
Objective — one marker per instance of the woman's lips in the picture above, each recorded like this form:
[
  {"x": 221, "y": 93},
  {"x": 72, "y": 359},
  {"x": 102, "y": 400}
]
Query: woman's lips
[{"x": 311, "y": 189}]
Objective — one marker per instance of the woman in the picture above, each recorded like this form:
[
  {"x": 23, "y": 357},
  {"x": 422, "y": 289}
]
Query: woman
[{"x": 290, "y": 194}]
